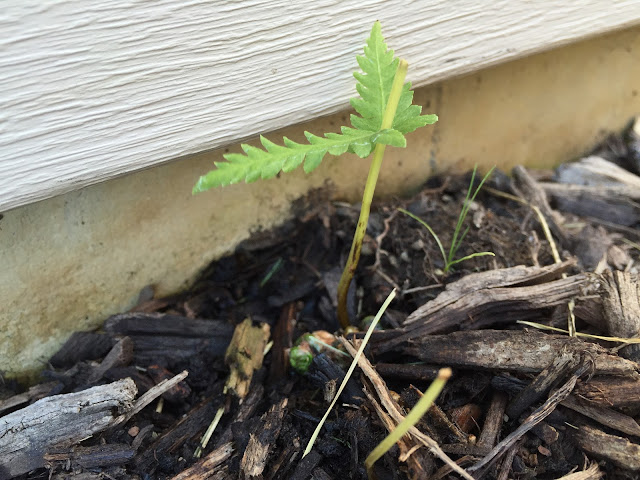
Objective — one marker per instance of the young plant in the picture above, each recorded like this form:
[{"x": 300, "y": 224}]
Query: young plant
[
  {"x": 456, "y": 241},
  {"x": 384, "y": 115}
]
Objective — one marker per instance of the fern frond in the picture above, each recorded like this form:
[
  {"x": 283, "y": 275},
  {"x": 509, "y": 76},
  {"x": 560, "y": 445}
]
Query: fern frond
[
  {"x": 374, "y": 85},
  {"x": 258, "y": 163}
]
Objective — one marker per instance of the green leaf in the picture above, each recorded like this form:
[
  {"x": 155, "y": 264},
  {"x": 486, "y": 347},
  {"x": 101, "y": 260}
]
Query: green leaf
[
  {"x": 390, "y": 137},
  {"x": 374, "y": 84},
  {"x": 379, "y": 67},
  {"x": 268, "y": 162}
]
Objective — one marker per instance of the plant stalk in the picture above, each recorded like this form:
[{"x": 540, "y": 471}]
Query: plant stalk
[{"x": 367, "y": 197}]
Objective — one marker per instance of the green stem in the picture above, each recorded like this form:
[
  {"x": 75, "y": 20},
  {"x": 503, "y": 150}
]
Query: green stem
[{"x": 367, "y": 197}]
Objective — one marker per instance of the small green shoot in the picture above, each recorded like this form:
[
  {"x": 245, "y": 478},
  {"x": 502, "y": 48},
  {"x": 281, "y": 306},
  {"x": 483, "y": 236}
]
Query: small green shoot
[
  {"x": 302, "y": 353},
  {"x": 272, "y": 271},
  {"x": 384, "y": 115},
  {"x": 352, "y": 367},
  {"x": 409, "y": 421},
  {"x": 456, "y": 241}
]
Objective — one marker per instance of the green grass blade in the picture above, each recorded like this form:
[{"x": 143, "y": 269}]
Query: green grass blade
[
  {"x": 455, "y": 247},
  {"x": 457, "y": 239},
  {"x": 428, "y": 227},
  {"x": 413, "y": 417},
  {"x": 477, "y": 254},
  {"x": 455, "y": 244}
]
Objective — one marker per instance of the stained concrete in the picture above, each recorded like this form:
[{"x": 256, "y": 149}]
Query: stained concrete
[{"x": 69, "y": 262}]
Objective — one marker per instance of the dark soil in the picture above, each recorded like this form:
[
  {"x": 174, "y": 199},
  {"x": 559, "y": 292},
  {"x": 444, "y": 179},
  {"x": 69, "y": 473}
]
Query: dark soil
[{"x": 287, "y": 278}]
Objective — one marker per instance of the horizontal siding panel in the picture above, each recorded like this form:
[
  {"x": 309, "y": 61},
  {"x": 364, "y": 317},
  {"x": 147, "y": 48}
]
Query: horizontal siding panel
[{"x": 93, "y": 90}]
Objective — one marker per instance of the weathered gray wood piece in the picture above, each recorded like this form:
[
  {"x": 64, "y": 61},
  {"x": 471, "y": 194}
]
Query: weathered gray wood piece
[
  {"x": 619, "y": 450},
  {"x": 606, "y": 203},
  {"x": 510, "y": 350},
  {"x": 506, "y": 277},
  {"x": 505, "y": 296},
  {"x": 526, "y": 187},
  {"x": 26, "y": 435},
  {"x": 621, "y": 308}
]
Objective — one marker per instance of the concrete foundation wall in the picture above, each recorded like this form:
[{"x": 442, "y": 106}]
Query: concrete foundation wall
[{"x": 70, "y": 261}]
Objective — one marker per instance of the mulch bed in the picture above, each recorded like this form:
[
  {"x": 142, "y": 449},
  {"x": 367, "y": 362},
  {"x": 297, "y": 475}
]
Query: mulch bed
[{"x": 134, "y": 399}]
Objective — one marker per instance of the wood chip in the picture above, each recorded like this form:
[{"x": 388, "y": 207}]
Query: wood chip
[
  {"x": 510, "y": 350},
  {"x": 618, "y": 450},
  {"x": 605, "y": 416},
  {"x": 208, "y": 466},
  {"x": 26, "y": 435},
  {"x": 34, "y": 393},
  {"x": 189, "y": 427},
  {"x": 506, "y": 295},
  {"x": 169, "y": 336},
  {"x": 494, "y": 420},
  {"x": 536, "y": 417},
  {"x": 592, "y": 472},
  {"x": 614, "y": 392},
  {"x": 562, "y": 365},
  {"x": 91, "y": 457},
  {"x": 120, "y": 355},
  {"x": 526, "y": 187},
  {"x": 621, "y": 307},
  {"x": 261, "y": 443},
  {"x": 606, "y": 203},
  {"x": 244, "y": 355}
]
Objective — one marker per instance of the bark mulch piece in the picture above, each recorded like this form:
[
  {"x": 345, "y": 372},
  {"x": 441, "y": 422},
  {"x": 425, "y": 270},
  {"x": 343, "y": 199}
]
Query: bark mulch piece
[{"x": 198, "y": 385}]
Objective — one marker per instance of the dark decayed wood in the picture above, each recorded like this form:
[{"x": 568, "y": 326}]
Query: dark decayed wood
[
  {"x": 263, "y": 441},
  {"x": 81, "y": 346},
  {"x": 176, "y": 337},
  {"x": 282, "y": 340},
  {"x": 245, "y": 411},
  {"x": 407, "y": 371},
  {"x": 620, "y": 451},
  {"x": 89, "y": 457},
  {"x": 536, "y": 417},
  {"x": 120, "y": 355},
  {"x": 562, "y": 365},
  {"x": 209, "y": 465},
  {"x": 189, "y": 427}
]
